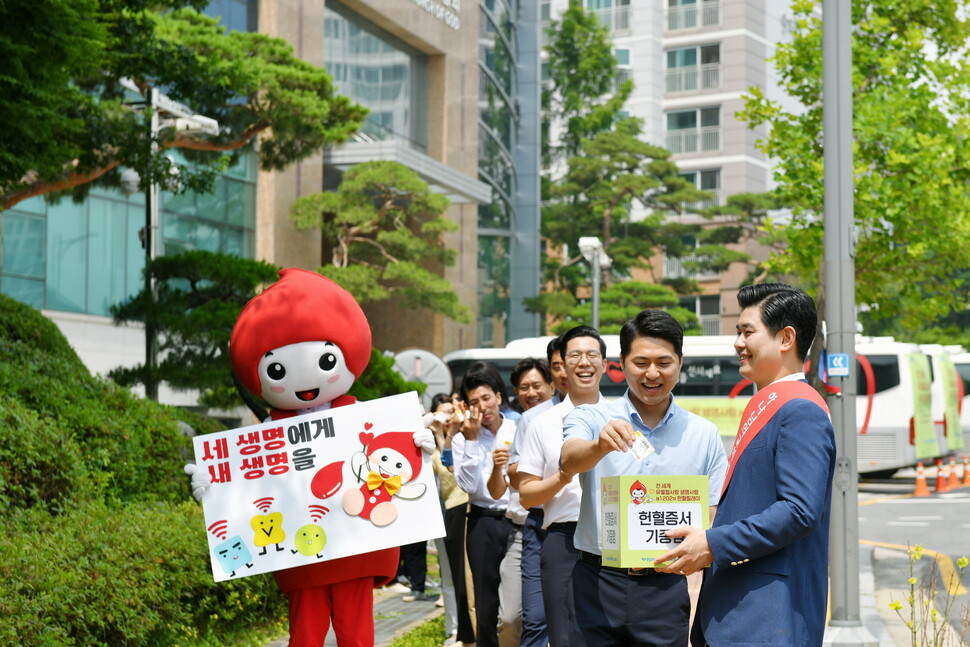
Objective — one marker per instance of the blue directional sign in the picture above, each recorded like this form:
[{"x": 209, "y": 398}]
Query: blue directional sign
[{"x": 838, "y": 364}]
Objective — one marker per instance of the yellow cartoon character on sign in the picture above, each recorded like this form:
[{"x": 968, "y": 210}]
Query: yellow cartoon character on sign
[{"x": 268, "y": 527}]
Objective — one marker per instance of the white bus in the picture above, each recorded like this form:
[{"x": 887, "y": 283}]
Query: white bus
[{"x": 900, "y": 404}]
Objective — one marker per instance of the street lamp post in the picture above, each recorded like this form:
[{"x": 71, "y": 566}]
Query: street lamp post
[
  {"x": 845, "y": 627},
  {"x": 592, "y": 250},
  {"x": 164, "y": 113}
]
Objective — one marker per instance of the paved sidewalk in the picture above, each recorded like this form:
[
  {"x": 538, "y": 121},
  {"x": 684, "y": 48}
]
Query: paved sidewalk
[
  {"x": 881, "y": 579},
  {"x": 392, "y": 618}
]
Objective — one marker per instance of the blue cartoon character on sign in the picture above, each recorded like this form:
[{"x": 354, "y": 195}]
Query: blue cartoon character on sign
[
  {"x": 231, "y": 554},
  {"x": 385, "y": 467}
]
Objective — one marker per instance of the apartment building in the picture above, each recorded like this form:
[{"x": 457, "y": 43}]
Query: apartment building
[{"x": 691, "y": 62}]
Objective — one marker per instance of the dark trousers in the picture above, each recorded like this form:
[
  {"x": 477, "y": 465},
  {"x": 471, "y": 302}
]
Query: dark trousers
[
  {"x": 558, "y": 557},
  {"x": 414, "y": 564},
  {"x": 533, "y": 613},
  {"x": 455, "y": 547},
  {"x": 488, "y": 537},
  {"x": 616, "y": 609}
]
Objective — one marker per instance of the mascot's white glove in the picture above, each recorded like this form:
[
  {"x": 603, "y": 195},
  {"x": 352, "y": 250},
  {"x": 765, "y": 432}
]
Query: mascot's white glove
[
  {"x": 425, "y": 438},
  {"x": 201, "y": 481}
]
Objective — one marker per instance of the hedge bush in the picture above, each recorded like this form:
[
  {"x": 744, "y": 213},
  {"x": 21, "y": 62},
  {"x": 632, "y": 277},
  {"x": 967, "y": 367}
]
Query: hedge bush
[
  {"x": 129, "y": 446},
  {"x": 120, "y": 576},
  {"x": 102, "y": 543}
]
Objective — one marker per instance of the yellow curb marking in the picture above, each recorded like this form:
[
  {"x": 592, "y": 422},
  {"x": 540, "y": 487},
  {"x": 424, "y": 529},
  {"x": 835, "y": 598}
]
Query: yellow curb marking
[{"x": 948, "y": 570}]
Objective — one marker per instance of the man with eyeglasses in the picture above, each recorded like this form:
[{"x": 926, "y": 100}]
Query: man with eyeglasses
[
  {"x": 541, "y": 482},
  {"x": 617, "y": 606}
]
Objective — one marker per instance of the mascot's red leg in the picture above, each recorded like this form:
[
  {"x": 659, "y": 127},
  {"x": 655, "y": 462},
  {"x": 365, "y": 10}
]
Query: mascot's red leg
[
  {"x": 353, "y": 612},
  {"x": 310, "y": 611}
]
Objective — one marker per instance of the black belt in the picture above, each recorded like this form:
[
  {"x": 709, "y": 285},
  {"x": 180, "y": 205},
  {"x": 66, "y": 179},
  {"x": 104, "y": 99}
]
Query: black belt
[
  {"x": 596, "y": 560},
  {"x": 563, "y": 526},
  {"x": 486, "y": 512}
]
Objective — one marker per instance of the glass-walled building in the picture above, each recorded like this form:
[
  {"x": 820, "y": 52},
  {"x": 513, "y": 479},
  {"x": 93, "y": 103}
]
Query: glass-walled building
[
  {"x": 508, "y": 149},
  {"x": 418, "y": 68},
  {"x": 379, "y": 71},
  {"x": 85, "y": 257}
]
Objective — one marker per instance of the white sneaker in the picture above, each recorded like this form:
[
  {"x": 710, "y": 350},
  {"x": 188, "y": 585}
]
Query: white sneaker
[
  {"x": 397, "y": 587},
  {"x": 440, "y": 602}
]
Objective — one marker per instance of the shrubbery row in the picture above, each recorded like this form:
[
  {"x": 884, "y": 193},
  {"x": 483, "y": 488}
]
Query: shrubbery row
[{"x": 103, "y": 544}]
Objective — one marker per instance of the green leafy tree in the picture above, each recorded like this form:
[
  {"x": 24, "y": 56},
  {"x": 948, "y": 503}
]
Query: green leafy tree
[
  {"x": 383, "y": 231},
  {"x": 599, "y": 170},
  {"x": 911, "y": 160},
  {"x": 583, "y": 96},
  {"x": 617, "y": 173},
  {"x": 76, "y": 124},
  {"x": 622, "y": 301},
  {"x": 380, "y": 379},
  {"x": 199, "y": 294}
]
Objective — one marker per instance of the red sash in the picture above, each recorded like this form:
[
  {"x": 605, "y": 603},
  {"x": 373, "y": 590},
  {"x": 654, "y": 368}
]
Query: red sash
[{"x": 761, "y": 408}]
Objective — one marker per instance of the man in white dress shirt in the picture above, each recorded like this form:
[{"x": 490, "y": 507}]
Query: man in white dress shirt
[
  {"x": 541, "y": 482},
  {"x": 488, "y": 526}
]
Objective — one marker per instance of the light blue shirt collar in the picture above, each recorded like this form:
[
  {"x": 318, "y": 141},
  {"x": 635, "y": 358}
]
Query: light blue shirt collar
[{"x": 635, "y": 418}]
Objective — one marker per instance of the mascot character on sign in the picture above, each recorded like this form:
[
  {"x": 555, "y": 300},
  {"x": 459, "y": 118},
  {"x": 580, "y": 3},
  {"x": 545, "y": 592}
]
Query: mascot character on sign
[{"x": 300, "y": 345}]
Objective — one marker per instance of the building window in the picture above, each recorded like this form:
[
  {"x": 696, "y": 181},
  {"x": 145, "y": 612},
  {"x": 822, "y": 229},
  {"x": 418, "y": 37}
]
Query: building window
[
  {"x": 708, "y": 309},
  {"x": 685, "y": 267},
  {"x": 694, "y": 130},
  {"x": 691, "y": 14},
  {"x": 380, "y": 72},
  {"x": 235, "y": 15},
  {"x": 623, "y": 69},
  {"x": 494, "y": 281},
  {"x": 706, "y": 180},
  {"x": 87, "y": 257},
  {"x": 614, "y": 14},
  {"x": 694, "y": 68}
]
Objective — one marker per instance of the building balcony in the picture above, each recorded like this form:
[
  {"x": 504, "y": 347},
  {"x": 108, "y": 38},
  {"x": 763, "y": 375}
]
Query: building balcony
[
  {"x": 674, "y": 268},
  {"x": 614, "y": 18},
  {"x": 711, "y": 324},
  {"x": 694, "y": 140},
  {"x": 706, "y": 13},
  {"x": 688, "y": 79}
]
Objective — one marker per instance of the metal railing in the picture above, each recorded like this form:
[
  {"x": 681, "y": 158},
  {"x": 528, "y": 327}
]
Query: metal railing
[
  {"x": 674, "y": 268},
  {"x": 698, "y": 77},
  {"x": 711, "y": 324},
  {"x": 702, "y": 14},
  {"x": 693, "y": 140},
  {"x": 614, "y": 18}
]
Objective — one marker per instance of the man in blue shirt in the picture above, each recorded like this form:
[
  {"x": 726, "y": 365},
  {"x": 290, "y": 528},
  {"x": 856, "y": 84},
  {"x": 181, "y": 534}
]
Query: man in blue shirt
[{"x": 636, "y": 606}]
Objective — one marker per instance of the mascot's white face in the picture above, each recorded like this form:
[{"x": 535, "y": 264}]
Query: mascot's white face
[
  {"x": 390, "y": 462},
  {"x": 304, "y": 375}
]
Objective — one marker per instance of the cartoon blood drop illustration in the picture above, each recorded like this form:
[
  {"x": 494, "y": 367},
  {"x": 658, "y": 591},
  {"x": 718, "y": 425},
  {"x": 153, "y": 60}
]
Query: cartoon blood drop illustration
[
  {"x": 310, "y": 540},
  {"x": 328, "y": 480}
]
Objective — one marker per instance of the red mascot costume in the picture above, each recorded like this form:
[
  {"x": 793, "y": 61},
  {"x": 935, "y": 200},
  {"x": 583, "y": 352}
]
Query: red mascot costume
[{"x": 300, "y": 345}]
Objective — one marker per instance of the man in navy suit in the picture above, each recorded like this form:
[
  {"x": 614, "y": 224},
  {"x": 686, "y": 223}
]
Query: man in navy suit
[{"x": 768, "y": 546}]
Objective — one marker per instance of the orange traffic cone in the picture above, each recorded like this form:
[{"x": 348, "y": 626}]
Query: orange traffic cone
[
  {"x": 966, "y": 471},
  {"x": 954, "y": 482},
  {"x": 942, "y": 476},
  {"x": 921, "y": 489}
]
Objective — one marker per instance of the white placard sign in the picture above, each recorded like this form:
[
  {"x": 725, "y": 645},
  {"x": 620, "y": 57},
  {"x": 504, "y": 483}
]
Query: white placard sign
[{"x": 316, "y": 487}]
